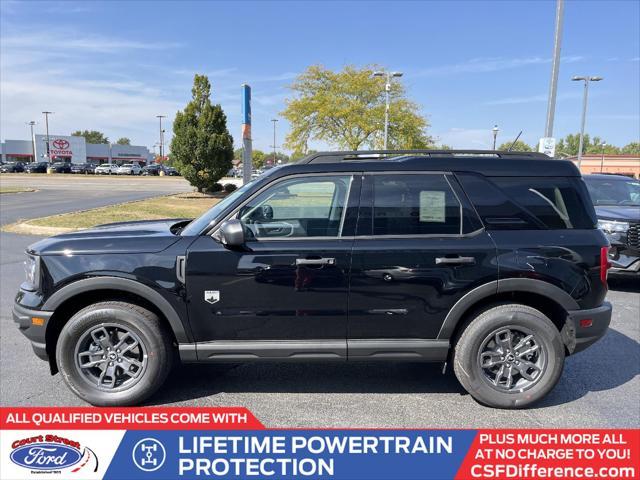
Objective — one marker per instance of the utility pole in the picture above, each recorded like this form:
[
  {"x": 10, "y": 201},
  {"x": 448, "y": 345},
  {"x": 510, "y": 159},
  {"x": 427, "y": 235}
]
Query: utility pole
[
  {"x": 555, "y": 68},
  {"x": 585, "y": 97},
  {"x": 387, "y": 89},
  {"x": 274, "y": 120},
  {"x": 160, "y": 117},
  {"x": 46, "y": 121},
  {"x": 603, "y": 144},
  {"x": 495, "y": 131},
  {"x": 33, "y": 140}
]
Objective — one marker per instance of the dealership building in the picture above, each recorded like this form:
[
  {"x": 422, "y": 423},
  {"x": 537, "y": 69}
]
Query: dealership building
[{"x": 72, "y": 149}]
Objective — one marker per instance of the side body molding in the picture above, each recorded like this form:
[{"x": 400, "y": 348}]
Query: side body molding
[
  {"x": 125, "y": 284},
  {"x": 526, "y": 285}
]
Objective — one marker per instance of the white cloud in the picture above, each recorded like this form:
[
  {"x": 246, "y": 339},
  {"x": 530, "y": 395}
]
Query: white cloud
[
  {"x": 482, "y": 65},
  {"x": 70, "y": 41},
  {"x": 542, "y": 97}
]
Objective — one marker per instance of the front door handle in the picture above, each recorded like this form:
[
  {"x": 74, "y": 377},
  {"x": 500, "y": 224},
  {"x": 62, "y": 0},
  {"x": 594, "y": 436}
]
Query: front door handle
[
  {"x": 455, "y": 260},
  {"x": 315, "y": 261}
]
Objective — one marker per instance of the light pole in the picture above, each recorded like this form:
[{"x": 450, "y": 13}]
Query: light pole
[
  {"x": 586, "y": 81},
  {"x": 603, "y": 144},
  {"x": 387, "y": 90},
  {"x": 495, "y": 131},
  {"x": 160, "y": 117},
  {"x": 555, "y": 68},
  {"x": 33, "y": 140},
  {"x": 46, "y": 121}
]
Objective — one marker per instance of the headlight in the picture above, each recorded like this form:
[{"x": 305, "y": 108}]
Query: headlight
[
  {"x": 611, "y": 226},
  {"x": 32, "y": 271}
]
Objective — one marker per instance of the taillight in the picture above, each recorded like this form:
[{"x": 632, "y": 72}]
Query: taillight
[{"x": 605, "y": 264}]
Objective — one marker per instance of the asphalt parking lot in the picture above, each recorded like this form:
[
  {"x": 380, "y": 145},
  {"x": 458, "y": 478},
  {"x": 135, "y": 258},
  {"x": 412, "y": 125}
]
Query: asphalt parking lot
[{"x": 599, "y": 388}]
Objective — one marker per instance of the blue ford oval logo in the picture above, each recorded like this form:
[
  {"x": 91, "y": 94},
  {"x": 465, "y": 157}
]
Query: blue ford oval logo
[{"x": 45, "y": 456}]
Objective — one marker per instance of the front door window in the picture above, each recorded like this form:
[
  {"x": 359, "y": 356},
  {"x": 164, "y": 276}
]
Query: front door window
[{"x": 298, "y": 208}]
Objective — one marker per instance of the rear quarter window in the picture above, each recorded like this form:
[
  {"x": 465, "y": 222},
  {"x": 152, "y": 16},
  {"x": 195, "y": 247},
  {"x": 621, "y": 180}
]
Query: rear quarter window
[{"x": 555, "y": 203}]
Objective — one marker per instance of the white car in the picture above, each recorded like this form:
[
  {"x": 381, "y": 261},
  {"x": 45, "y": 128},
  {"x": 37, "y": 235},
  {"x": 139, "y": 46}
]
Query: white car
[
  {"x": 129, "y": 169},
  {"x": 105, "y": 169}
]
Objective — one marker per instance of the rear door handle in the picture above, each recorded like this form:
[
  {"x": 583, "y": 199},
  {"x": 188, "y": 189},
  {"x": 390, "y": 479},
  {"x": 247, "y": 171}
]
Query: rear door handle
[
  {"x": 315, "y": 261},
  {"x": 455, "y": 260}
]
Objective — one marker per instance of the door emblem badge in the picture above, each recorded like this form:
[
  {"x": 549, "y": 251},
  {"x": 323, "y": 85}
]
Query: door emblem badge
[{"x": 211, "y": 296}]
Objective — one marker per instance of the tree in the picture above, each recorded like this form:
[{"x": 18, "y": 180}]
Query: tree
[
  {"x": 201, "y": 147},
  {"x": 632, "y": 148},
  {"x": 519, "y": 146},
  {"x": 346, "y": 109},
  {"x": 91, "y": 136},
  {"x": 123, "y": 141},
  {"x": 257, "y": 158},
  {"x": 568, "y": 146}
]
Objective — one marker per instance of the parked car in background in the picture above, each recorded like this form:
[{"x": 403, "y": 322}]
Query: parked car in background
[
  {"x": 36, "y": 167},
  {"x": 61, "y": 167},
  {"x": 616, "y": 199},
  {"x": 172, "y": 172},
  {"x": 105, "y": 169},
  {"x": 129, "y": 169},
  {"x": 83, "y": 167},
  {"x": 12, "y": 167},
  {"x": 153, "y": 169}
]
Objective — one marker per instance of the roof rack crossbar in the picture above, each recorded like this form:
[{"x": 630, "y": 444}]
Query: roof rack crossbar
[{"x": 355, "y": 155}]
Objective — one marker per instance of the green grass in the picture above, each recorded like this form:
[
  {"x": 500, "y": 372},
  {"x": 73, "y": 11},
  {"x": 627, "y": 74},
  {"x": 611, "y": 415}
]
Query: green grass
[
  {"x": 170, "y": 206},
  {"x": 9, "y": 189}
]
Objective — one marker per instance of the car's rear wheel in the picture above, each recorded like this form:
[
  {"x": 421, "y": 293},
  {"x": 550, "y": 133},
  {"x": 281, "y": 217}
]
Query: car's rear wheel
[
  {"x": 114, "y": 354},
  {"x": 509, "y": 356}
]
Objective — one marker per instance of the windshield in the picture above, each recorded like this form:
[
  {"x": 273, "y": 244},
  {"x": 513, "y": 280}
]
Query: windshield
[
  {"x": 200, "y": 223},
  {"x": 614, "y": 191}
]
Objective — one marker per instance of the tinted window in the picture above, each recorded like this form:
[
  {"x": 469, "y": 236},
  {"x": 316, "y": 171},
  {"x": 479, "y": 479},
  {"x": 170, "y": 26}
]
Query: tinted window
[
  {"x": 414, "y": 204},
  {"x": 552, "y": 202},
  {"x": 614, "y": 191},
  {"x": 300, "y": 207}
]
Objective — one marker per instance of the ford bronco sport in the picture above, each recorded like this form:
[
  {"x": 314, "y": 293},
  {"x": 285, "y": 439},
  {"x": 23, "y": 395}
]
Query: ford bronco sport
[{"x": 491, "y": 261}]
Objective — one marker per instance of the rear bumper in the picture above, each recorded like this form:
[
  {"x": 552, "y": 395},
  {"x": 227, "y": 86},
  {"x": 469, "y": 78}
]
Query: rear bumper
[
  {"x": 582, "y": 333},
  {"x": 35, "y": 333}
]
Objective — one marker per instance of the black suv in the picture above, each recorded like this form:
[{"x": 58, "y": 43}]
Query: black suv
[
  {"x": 617, "y": 202},
  {"x": 489, "y": 260}
]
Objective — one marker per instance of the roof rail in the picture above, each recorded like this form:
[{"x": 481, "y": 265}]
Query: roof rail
[{"x": 373, "y": 155}]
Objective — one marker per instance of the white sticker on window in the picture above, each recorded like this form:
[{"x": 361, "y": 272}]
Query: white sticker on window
[{"x": 432, "y": 206}]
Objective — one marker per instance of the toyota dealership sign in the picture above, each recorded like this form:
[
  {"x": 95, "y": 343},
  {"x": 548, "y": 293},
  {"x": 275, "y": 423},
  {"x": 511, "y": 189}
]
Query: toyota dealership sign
[{"x": 61, "y": 148}]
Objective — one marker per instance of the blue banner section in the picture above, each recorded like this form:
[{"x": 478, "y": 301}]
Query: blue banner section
[
  {"x": 338, "y": 454},
  {"x": 246, "y": 104}
]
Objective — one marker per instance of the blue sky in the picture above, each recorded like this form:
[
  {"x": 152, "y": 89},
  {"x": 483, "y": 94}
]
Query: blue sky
[{"x": 113, "y": 66}]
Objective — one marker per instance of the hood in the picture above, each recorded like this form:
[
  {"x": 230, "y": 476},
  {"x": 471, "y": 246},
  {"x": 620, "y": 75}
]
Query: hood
[
  {"x": 148, "y": 236},
  {"x": 623, "y": 213}
]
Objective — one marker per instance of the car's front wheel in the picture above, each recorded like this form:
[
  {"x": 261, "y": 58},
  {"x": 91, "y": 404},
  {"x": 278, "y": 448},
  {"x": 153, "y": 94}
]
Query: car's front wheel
[
  {"x": 509, "y": 356},
  {"x": 114, "y": 354}
]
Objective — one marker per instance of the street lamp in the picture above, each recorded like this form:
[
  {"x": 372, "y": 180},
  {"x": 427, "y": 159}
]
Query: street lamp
[
  {"x": 387, "y": 89},
  {"x": 495, "y": 131},
  {"x": 33, "y": 141},
  {"x": 46, "y": 120},
  {"x": 160, "y": 117},
  {"x": 274, "y": 120},
  {"x": 586, "y": 81},
  {"x": 603, "y": 144}
]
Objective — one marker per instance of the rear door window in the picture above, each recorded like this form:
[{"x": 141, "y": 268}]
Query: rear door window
[{"x": 414, "y": 204}]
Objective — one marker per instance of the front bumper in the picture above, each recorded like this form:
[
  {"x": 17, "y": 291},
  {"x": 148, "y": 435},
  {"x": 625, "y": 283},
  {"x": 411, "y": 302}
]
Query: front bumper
[
  {"x": 585, "y": 327},
  {"x": 34, "y": 331}
]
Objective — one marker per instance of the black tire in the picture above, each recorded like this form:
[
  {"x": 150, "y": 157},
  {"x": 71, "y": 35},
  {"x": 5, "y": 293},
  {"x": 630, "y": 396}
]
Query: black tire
[
  {"x": 481, "y": 332},
  {"x": 140, "y": 322}
]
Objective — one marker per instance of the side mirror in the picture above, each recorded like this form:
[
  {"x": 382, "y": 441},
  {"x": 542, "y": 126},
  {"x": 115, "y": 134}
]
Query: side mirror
[{"x": 232, "y": 233}]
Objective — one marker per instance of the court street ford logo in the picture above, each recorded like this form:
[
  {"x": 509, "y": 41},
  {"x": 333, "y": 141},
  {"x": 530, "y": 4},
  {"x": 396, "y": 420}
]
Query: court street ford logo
[
  {"x": 46, "y": 453},
  {"x": 61, "y": 144}
]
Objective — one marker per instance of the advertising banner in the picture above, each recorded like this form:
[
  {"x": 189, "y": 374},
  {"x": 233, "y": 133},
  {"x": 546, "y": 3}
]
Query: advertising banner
[{"x": 169, "y": 443}]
